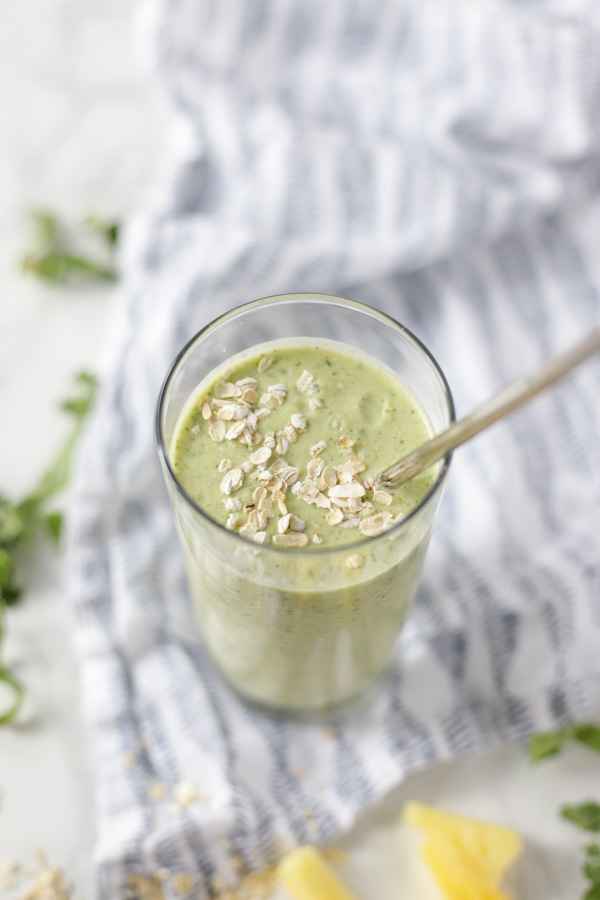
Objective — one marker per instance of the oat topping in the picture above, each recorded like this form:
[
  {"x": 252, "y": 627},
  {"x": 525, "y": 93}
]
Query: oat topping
[
  {"x": 217, "y": 429},
  {"x": 183, "y": 883},
  {"x": 250, "y": 396},
  {"x": 335, "y": 516},
  {"x": 278, "y": 391},
  {"x": 234, "y": 413},
  {"x": 303, "y": 382},
  {"x": 353, "y": 466},
  {"x": 289, "y": 474},
  {"x": 329, "y": 476},
  {"x": 257, "y": 520},
  {"x": 315, "y": 467},
  {"x": 277, "y": 465},
  {"x": 235, "y": 430},
  {"x": 157, "y": 790},
  {"x": 247, "y": 384},
  {"x": 45, "y": 882},
  {"x": 282, "y": 446},
  {"x": 264, "y": 364},
  {"x": 9, "y": 873},
  {"x": 318, "y": 448},
  {"x": 291, "y": 539},
  {"x": 353, "y": 490},
  {"x": 298, "y": 421},
  {"x": 346, "y": 442},
  {"x": 260, "y": 493},
  {"x": 382, "y": 498},
  {"x": 187, "y": 793},
  {"x": 233, "y": 481},
  {"x": 224, "y": 390},
  {"x": 259, "y": 457},
  {"x": 377, "y": 524},
  {"x": 269, "y": 401},
  {"x": 355, "y": 561},
  {"x": 284, "y": 523},
  {"x": 290, "y": 433},
  {"x": 350, "y": 522}
]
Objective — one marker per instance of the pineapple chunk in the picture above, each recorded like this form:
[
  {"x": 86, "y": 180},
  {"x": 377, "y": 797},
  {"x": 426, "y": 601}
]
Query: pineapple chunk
[
  {"x": 488, "y": 849},
  {"x": 454, "y": 871},
  {"x": 307, "y": 876}
]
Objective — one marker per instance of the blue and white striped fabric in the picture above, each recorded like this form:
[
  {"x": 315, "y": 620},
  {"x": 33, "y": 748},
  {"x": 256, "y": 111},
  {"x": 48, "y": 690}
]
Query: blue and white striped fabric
[{"x": 440, "y": 161}]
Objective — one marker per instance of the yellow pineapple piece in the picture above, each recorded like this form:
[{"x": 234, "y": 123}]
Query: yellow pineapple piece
[
  {"x": 454, "y": 871},
  {"x": 488, "y": 849},
  {"x": 307, "y": 876}
]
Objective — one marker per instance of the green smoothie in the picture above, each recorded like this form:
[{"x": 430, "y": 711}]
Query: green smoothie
[
  {"x": 285, "y": 447},
  {"x": 303, "y": 590}
]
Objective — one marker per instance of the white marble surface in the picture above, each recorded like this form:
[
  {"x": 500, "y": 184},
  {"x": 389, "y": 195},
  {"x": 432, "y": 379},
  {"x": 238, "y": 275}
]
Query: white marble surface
[{"x": 79, "y": 133}]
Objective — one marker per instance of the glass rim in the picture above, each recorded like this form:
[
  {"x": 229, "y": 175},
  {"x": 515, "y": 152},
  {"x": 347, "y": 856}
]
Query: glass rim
[{"x": 283, "y": 298}]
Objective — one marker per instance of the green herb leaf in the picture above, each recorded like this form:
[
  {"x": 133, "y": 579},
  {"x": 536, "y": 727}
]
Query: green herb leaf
[
  {"x": 549, "y": 743},
  {"x": 586, "y": 815},
  {"x": 54, "y": 523},
  {"x": 57, "y": 268},
  {"x": 588, "y": 734},
  {"x": 16, "y": 688},
  {"x": 56, "y": 477},
  {"x": 55, "y": 257},
  {"x": 546, "y": 744},
  {"x": 591, "y": 865},
  {"x": 108, "y": 230},
  {"x": 47, "y": 229},
  {"x": 593, "y": 893},
  {"x": 10, "y": 594},
  {"x": 18, "y": 521},
  {"x": 12, "y": 523},
  {"x": 6, "y": 566}
]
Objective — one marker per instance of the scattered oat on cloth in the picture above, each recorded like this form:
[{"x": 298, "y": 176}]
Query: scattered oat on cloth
[{"x": 441, "y": 162}]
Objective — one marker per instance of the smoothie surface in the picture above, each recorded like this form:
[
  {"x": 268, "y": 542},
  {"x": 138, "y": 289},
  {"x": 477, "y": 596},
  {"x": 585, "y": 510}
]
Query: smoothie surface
[{"x": 283, "y": 446}]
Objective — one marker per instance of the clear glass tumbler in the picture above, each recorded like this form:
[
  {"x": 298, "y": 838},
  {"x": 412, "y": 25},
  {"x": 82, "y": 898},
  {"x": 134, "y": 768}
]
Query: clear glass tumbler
[{"x": 297, "y": 632}]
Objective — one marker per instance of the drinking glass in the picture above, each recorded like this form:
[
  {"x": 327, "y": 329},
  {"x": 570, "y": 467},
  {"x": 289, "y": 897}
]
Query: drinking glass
[{"x": 298, "y": 632}]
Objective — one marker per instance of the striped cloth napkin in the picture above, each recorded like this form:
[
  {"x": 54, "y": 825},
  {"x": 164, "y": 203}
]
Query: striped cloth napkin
[{"x": 439, "y": 161}]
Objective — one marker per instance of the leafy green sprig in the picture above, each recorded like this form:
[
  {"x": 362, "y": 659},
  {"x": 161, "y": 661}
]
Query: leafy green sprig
[
  {"x": 55, "y": 258},
  {"x": 591, "y": 870},
  {"x": 19, "y": 521},
  {"x": 550, "y": 743},
  {"x": 585, "y": 815}
]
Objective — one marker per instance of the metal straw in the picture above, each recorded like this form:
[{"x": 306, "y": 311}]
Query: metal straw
[{"x": 500, "y": 405}]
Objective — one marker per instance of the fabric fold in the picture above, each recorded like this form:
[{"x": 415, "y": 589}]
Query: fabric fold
[{"x": 440, "y": 163}]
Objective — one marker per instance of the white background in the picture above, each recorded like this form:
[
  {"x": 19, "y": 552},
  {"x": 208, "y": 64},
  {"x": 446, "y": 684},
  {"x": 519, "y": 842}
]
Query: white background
[{"x": 80, "y": 132}]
